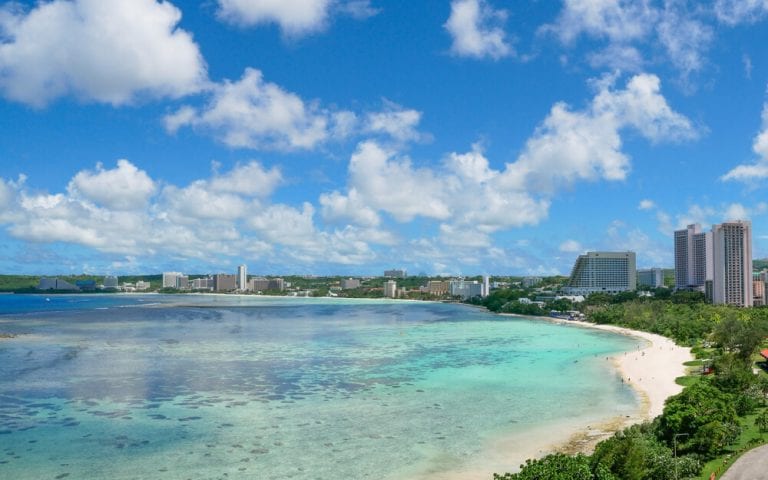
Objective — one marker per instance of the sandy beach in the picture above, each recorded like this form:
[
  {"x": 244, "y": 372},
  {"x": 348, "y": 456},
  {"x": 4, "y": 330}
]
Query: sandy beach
[{"x": 651, "y": 369}]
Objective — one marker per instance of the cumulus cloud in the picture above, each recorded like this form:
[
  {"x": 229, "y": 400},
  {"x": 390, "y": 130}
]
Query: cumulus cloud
[
  {"x": 759, "y": 169},
  {"x": 226, "y": 215},
  {"x": 295, "y": 17},
  {"x": 254, "y": 113},
  {"x": 122, "y": 188},
  {"x": 477, "y": 30},
  {"x": 397, "y": 122},
  {"x": 109, "y": 52},
  {"x": 465, "y": 191},
  {"x": 646, "y": 204}
]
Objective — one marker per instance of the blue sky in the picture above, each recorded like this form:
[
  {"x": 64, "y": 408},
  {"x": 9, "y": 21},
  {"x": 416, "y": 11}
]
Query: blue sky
[{"x": 349, "y": 136}]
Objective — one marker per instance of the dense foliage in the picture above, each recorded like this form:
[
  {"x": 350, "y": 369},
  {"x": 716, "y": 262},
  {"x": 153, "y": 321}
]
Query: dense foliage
[{"x": 699, "y": 423}]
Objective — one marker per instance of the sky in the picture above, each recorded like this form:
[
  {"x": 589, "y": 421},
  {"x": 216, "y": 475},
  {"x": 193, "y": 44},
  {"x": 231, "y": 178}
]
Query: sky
[{"x": 345, "y": 137}]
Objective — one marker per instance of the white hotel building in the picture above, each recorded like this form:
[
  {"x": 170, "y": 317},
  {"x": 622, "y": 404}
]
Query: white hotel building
[{"x": 606, "y": 272}]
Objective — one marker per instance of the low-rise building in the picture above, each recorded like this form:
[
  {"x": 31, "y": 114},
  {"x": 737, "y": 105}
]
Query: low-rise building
[
  {"x": 437, "y": 287},
  {"x": 47, "y": 283}
]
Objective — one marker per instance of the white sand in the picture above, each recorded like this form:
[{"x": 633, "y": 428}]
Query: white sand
[{"x": 651, "y": 369}]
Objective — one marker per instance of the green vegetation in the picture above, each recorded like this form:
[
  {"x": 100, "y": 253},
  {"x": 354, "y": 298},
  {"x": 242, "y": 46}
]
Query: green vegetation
[{"x": 704, "y": 428}]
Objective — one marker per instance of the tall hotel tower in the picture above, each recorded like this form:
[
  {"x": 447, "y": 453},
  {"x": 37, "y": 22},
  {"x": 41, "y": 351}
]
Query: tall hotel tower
[
  {"x": 732, "y": 263},
  {"x": 691, "y": 258},
  {"x": 242, "y": 278}
]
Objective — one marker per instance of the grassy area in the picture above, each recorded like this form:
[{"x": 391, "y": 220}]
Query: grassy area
[
  {"x": 750, "y": 438},
  {"x": 687, "y": 380}
]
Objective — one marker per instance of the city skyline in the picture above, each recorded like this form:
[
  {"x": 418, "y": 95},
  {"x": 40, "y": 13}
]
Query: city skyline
[{"x": 348, "y": 137}]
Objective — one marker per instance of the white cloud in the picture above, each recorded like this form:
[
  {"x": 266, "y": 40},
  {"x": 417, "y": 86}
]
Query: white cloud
[
  {"x": 759, "y": 169},
  {"x": 122, "y": 188},
  {"x": 586, "y": 145},
  {"x": 477, "y": 30},
  {"x": 111, "y": 52},
  {"x": 625, "y": 25},
  {"x": 250, "y": 179},
  {"x": 295, "y": 17},
  {"x": 340, "y": 208},
  {"x": 397, "y": 122},
  {"x": 466, "y": 192},
  {"x": 646, "y": 204},
  {"x": 684, "y": 38},
  {"x": 732, "y": 12},
  {"x": 571, "y": 246},
  {"x": 736, "y": 211},
  {"x": 253, "y": 113},
  {"x": 618, "y": 21}
]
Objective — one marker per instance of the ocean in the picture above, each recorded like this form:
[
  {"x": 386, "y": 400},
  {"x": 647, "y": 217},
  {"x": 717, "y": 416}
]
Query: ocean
[{"x": 242, "y": 387}]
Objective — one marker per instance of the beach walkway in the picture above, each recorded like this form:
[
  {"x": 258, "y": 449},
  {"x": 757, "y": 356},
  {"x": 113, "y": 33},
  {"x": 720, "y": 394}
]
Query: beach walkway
[{"x": 753, "y": 465}]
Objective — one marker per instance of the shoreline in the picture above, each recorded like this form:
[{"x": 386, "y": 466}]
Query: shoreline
[{"x": 650, "y": 370}]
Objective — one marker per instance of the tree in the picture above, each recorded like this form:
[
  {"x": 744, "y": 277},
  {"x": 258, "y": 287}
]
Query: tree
[
  {"x": 761, "y": 422},
  {"x": 706, "y": 414},
  {"x": 557, "y": 466}
]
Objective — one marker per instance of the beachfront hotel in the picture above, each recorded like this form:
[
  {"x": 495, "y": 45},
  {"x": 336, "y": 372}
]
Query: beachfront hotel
[
  {"x": 691, "y": 258},
  {"x": 732, "y": 263},
  {"x": 606, "y": 272}
]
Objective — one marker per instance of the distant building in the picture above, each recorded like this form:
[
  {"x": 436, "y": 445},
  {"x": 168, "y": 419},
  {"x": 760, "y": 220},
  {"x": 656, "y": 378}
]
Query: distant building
[
  {"x": 47, "y": 283},
  {"x": 86, "y": 285},
  {"x": 607, "y": 272},
  {"x": 732, "y": 263},
  {"x": 651, "y": 277},
  {"x": 110, "y": 281},
  {"x": 350, "y": 283},
  {"x": 262, "y": 284},
  {"x": 758, "y": 293},
  {"x": 691, "y": 258},
  {"x": 465, "y": 289},
  {"x": 401, "y": 273},
  {"x": 390, "y": 289},
  {"x": 242, "y": 278},
  {"x": 142, "y": 285},
  {"x": 182, "y": 282},
  {"x": 202, "y": 284},
  {"x": 486, "y": 286},
  {"x": 170, "y": 279},
  {"x": 529, "y": 282},
  {"x": 223, "y": 282},
  {"x": 437, "y": 287}
]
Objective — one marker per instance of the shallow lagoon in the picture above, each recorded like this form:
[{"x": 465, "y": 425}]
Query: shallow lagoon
[{"x": 128, "y": 386}]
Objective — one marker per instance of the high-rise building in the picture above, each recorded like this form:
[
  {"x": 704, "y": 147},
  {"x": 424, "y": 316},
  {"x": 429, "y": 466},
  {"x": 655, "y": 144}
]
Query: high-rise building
[
  {"x": 608, "y": 272},
  {"x": 529, "y": 282},
  {"x": 732, "y": 263},
  {"x": 437, "y": 287},
  {"x": 651, "y": 277},
  {"x": 242, "y": 278},
  {"x": 170, "y": 279},
  {"x": 110, "y": 281},
  {"x": 390, "y": 288},
  {"x": 486, "y": 286},
  {"x": 690, "y": 258}
]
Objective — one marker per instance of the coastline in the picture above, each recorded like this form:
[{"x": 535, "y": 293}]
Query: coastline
[{"x": 650, "y": 369}]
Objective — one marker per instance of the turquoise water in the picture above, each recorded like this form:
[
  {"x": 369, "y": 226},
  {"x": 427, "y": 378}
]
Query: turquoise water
[{"x": 245, "y": 387}]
